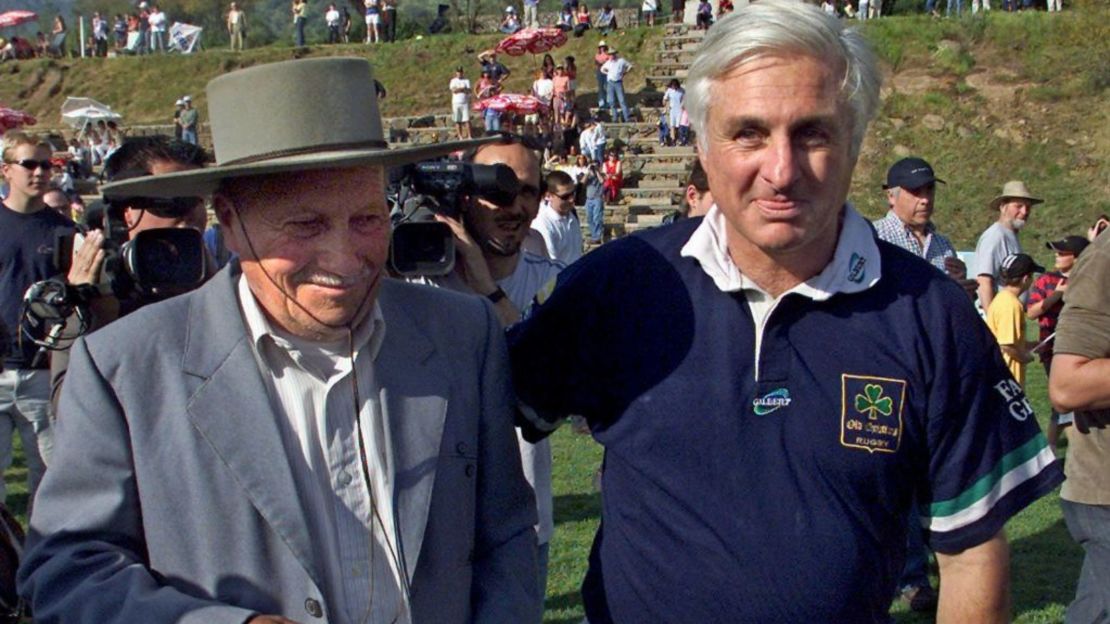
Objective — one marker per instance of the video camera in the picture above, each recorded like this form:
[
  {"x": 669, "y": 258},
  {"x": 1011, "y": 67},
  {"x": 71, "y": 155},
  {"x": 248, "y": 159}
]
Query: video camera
[
  {"x": 422, "y": 246},
  {"x": 156, "y": 263}
]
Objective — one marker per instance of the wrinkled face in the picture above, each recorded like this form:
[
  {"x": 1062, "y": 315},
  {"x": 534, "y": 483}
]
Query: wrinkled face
[
  {"x": 140, "y": 217},
  {"x": 24, "y": 182},
  {"x": 500, "y": 230},
  {"x": 1065, "y": 260},
  {"x": 778, "y": 156},
  {"x": 914, "y": 207},
  {"x": 1015, "y": 213},
  {"x": 312, "y": 245}
]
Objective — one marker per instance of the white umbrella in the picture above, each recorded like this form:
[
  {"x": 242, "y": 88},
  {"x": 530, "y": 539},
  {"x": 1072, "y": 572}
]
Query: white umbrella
[{"x": 78, "y": 112}]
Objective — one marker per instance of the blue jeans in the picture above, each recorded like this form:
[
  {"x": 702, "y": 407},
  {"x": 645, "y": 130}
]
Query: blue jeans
[
  {"x": 25, "y": 409},
  {"x": 189, "y": 136},
  {"x": 958, "y": 6},
  {"x": 492, "y": 119},
  {"x": 298, "y": 32},
  {"x": 916, "y": 571},
  {"x": 616, "y": 95},
  {"x": 598, "y": 155},
  {"x": 683, "y": 135},
  {"x": 602, "y": 89},
  {"x": 1089, "y": 526},
  {"x": 595, "y": 217}
]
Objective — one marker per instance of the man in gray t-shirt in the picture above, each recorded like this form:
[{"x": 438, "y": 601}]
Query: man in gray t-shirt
[{"x": 1001, "y": 238}]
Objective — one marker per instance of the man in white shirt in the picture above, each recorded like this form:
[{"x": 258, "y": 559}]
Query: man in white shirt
[
  {"x": 557, "y": 222},
  {"x": 460, "y": 103},
  {"x": 332, "y": 19},
  {"x": 493, "y": 263},
  {"x": 592, "y": 141},
  {"x": 157, "y": 20},
  {"x": 615, "y": 69}
]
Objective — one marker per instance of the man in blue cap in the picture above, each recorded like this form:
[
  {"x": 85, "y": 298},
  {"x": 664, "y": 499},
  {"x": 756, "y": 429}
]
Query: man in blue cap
[{"x": 910, "y": 189}]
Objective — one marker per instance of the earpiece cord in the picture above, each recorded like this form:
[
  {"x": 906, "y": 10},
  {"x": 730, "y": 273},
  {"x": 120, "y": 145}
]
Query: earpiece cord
[{"x": 356, "y": 396}]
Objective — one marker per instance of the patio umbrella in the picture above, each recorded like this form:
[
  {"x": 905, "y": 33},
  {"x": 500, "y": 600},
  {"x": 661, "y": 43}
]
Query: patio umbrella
[
  {"x": 532, "y": 41},
  {"x": 78, "y": 111},
  {"x": 514, "y": 103},
  {"x": 10, "y": 119},
  {"x": 15, "y": 18}
]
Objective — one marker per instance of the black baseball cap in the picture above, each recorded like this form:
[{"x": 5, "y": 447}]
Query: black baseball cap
[
  {"x": 910, "y": 173},
  {"x": 1019, "y": 265},
  {"x": 1069, "y": 244}
]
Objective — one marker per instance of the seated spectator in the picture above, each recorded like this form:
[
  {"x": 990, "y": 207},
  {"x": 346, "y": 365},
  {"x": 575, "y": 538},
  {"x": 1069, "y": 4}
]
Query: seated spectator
[
  {"x": 511, "y": 23},
  {"x": 565, "y": 22},
  {"x": 582, "y": 21},
  {"x": 724, "y": 7},
  {"x": 607, "y": 21},
  {"x": 7, "y": 50},
  {"x": 42, "y": 46}
]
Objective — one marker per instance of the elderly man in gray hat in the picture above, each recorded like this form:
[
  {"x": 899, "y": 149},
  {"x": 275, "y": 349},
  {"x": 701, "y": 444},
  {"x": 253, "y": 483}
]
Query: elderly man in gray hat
[
  {"x": 302, "y": 438},
  {"x": 1001, "y": 238}
]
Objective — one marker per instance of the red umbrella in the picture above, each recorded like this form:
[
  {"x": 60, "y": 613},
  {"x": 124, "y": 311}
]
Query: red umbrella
[
  {"x": 532, "y": 40},
  {"x": 10, "y": 119},
  {"x": 15, "y": 18},
  {"x": 513, "y": 102}
]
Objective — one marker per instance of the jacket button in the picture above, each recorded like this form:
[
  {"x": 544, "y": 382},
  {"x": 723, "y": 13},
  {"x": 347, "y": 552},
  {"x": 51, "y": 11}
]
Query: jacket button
[
  {"x": 312, "y": 606},
  {"x": 470, "y": 470},
  {"x": 460, "y": 448}
]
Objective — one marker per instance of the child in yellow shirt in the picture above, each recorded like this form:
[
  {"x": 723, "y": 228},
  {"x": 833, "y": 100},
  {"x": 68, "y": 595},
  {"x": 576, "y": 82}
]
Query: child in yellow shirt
[{"x": 1006, "y": 314}]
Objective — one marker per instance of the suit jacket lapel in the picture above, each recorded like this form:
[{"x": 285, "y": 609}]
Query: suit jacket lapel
[
  {"x": 413, "y": 392},
  {"x": 230, "y": 407}
]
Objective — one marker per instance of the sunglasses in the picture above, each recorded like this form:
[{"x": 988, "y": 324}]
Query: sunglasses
[
  {"x": 31, "y": 164},
  {"x": 569, "y": 195}
]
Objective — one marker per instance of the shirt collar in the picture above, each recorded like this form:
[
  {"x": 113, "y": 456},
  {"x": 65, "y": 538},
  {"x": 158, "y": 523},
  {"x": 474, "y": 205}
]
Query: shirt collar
[
  {"x": 929, "y": 227},
  {"x": 855, "y": 266},
  {"x": 370, "y": 332}
]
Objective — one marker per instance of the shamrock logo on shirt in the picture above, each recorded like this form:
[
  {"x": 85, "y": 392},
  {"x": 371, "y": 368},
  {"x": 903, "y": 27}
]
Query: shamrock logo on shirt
[{"x": 872, "y": 402}]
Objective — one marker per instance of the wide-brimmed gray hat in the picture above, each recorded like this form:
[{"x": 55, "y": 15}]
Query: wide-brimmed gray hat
[
  {"x": 289, "y": 116},
  {"x": 1014, "y": 189}
]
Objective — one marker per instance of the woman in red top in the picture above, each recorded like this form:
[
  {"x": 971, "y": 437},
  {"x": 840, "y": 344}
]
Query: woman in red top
[{"x": 614, "y": 177}]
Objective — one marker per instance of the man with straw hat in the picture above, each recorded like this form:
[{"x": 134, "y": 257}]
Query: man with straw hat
[
  {"x": 1001, "y": 238},
  {"x": 306, "y": 440}
]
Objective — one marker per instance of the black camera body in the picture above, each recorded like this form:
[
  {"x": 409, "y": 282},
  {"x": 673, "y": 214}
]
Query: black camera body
[
  {"x": 155, "y": 264},
  {"x": 421, "y": 245}
]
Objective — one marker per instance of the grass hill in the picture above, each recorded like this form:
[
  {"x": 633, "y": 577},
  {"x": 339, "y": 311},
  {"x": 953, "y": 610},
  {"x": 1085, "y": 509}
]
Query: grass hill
[{"x": 985, "y": 99}]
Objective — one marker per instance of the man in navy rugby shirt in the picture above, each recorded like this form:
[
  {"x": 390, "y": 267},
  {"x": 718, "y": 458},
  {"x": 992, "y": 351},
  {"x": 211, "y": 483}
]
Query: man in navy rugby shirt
[{"x": 773, "y": 386}]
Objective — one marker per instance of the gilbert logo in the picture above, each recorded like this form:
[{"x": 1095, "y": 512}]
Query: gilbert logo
[
  {"x": 857, "y": 268},
  {"x": 773, "y": 400}
]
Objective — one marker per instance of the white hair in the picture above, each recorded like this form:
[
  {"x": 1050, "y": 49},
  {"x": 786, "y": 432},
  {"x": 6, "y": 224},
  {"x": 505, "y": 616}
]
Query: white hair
[{"x": 785, "y": 28}]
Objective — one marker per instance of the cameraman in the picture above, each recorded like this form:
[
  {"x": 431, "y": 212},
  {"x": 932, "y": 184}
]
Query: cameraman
[
  {"x": 491, "y": 262},
  {"x": 138, "y": 156}
]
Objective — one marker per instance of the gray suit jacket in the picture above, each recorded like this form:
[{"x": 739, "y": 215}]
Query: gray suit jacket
[{"x": 170, "y": 498}]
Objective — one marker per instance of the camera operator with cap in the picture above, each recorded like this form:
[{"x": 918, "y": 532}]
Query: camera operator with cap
[{"x": 301, "y": 438}]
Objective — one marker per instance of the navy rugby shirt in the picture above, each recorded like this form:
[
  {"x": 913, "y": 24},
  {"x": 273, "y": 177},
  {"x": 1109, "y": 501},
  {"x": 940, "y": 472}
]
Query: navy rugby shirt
[{"x": 728, "y": 498}]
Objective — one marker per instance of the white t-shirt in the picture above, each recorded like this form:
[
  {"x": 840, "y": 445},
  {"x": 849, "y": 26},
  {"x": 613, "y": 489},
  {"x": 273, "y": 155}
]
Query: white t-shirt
[
  {"x": 332, "y": 17},
  {"x": 649, "y": 5},
  {"x": 157, "y": 21},
  {"x": 544, "y": 89},
  {"x": 562, "y": 234},
  {"x": 459, "y": 99}
]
